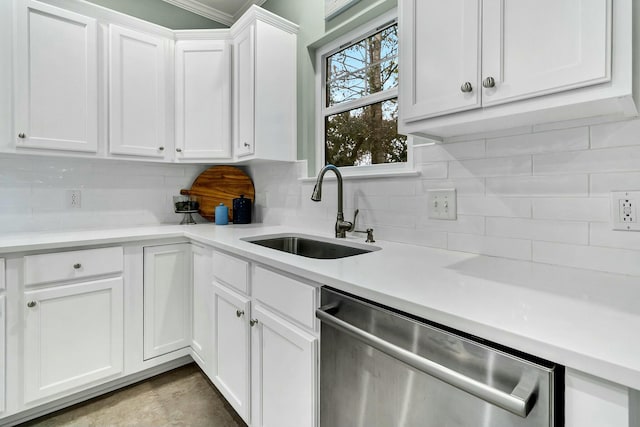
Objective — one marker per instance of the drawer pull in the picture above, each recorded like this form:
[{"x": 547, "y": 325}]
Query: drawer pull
[
  {"x": 239, "y": 313},
  {"x": 253, "y": 322},
  {"x": 31, "y": 304},
  {"x": 77, "y": 266}
]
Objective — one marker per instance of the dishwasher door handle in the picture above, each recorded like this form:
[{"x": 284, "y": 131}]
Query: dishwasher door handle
[{"x": 519, "y": 402}]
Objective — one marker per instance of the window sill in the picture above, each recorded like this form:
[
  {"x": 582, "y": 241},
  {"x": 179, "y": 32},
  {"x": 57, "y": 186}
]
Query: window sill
[{"x": 353, "y": 175}]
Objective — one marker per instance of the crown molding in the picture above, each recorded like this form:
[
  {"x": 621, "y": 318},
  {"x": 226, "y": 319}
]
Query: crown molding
[
  {"x": 246, "y": 7},
  {"x": 204, "y": 10}
]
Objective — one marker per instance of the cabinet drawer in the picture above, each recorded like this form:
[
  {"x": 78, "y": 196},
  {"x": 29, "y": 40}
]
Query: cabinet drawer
[
  {"x": 231, "y": 271},
  {"x": 61, "y": 266},
  {"x": 290, "y": 297}
]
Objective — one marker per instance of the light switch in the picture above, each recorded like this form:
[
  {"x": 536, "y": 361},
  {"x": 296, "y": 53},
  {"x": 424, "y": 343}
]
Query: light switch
[{"x": 442, "y": 204}]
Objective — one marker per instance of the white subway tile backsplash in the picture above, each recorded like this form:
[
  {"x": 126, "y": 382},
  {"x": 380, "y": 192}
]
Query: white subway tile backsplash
[
  {"x": 572, "y": 209},
  {"x": 494, "y": 206},
  {"x": 463, "y": 186},
  {"x": 545, "y": 230},
  {"x": 388, "y": 218},
  {"x": 450, "y": 151},
  {"x": 464, "y": 224},
  {"x": 541, "y": 196},
  {"x": 488, "y": 245},
  {"x": 616, "y": 134},
  {"x": 364, "y": 201},
  {"x": 433, "y": 170},
  {"x": 539, "y": 186},
  {"x": 504, "y": 166},
  {"x": 585, "y": 161},
  {"x": 382, "y": 186},
  {"x": 601, "y": 184},
  {"x": 413, "y": 236},
  {"x": 414, "y": 204},
  {"x": 113, "y": 192},
  {"x": 533, "y": 143},
  {"x": 601, "y": 234},
  {"x": 590, "y": 257}
]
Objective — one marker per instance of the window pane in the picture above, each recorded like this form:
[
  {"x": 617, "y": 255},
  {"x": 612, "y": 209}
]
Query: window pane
[
  {"x": 363, "y": 68},
  {"x": 365, "y": 136}
]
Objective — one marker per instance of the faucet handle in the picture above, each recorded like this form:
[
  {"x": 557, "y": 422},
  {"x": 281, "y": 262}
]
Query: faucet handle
[{"x": 353, "y": 224}]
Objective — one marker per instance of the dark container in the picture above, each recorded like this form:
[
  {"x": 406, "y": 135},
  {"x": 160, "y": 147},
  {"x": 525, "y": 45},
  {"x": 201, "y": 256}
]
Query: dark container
[{"x": 241, "y": 210}]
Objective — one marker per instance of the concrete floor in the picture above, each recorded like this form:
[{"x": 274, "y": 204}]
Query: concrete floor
[{"x": 182, "y": 397}]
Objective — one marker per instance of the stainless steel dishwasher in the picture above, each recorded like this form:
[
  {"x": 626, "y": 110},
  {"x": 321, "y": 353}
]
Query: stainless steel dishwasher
[{"x": 382, "y": 368}]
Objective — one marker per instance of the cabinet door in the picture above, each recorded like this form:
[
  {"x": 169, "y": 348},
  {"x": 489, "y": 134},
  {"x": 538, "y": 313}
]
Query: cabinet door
[
  {"x": 166, "y": 299},
  {"x": 439, "y": 52},
  {"x": 244, "y": 91},
  {"x": 57, "y": 79},
  {"x": 201, "y": 302},
  {"x": 137, "y": 93},
  {"x": 230, "y": 367},
  {"x": 73, "y": 336},
  {"x": 284, "y": 373},
  {"x": 542, "y": 47},
  {"x": 203, "y": 99}
]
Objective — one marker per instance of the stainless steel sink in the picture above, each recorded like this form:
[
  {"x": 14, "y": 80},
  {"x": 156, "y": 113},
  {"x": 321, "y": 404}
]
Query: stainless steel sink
[{"x": 311, "y": 246}]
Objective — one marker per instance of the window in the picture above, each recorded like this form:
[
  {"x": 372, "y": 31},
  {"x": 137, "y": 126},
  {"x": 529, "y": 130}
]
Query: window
[{"x": 359, "y": 113}]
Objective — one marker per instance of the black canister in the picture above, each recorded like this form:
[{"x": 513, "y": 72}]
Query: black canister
[{"x": 241, "y": 210}]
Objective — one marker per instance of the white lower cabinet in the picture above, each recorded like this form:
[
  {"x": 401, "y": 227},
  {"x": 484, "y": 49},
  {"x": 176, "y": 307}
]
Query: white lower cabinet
[
  {"x": 167, "y": 292},
  {"x": 264, "y": 363},
  {"x": 230, "y": 364},
  {"x": 73, "y": 336},
  {"x": 201, "y": 306},
  {"x": 283, "y": 370}
]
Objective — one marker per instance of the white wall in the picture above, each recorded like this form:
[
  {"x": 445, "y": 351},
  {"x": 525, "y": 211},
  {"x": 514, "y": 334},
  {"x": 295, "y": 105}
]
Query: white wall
[
  {"x": 33, "y": 193},
  {"x": 540, "y": 196}
]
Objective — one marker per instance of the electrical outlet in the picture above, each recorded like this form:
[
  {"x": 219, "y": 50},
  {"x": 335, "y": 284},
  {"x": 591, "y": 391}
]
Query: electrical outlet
[
  {"x": 442, "y": 204},
  {"x": 624, "y": 210},
  {"x": 74, "y": 199}
]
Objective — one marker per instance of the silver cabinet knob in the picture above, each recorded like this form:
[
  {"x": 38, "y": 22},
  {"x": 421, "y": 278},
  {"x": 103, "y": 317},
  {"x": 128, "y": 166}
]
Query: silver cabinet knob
[
  {"x": 239, "y": 313},
  {"x": 253, "y": 322},
  {"x": 21, "y": 135},
  {"x": 489, "y": 82},
  {"x": 31, "y": 304},
  {"x": 466, "y": 87},
  {"x": 179, "y": 150},
  {"x": 161, "y": 148},
  {"x": 77, "y": 266},
  {"x": 246, "y": 144}
]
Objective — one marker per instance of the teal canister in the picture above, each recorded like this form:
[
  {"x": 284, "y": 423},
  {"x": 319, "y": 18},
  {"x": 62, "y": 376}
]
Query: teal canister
[{"x": 222, "y": 214}]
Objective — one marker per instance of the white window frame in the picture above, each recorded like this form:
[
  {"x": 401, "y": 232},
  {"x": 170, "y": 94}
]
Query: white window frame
[{"x": 322, "y": 110}]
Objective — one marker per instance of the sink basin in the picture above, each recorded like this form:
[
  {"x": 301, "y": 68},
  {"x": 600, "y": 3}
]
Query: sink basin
[{"x": 311, "y": 246}]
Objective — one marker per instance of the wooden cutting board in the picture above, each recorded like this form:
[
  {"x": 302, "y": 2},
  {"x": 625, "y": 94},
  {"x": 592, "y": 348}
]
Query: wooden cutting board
[{"x": 220, "y": 184}]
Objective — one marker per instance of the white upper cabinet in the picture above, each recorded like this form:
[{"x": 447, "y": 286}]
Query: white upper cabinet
[
  {"x": 264, "y": 82},
  {"x": 137, "y": 93},
  {"x": 244, "y": 94},
  {"x": 89, "y": 80},
  {"x": 541, "y": 47},
  {"x": 56, "y": 79},
  {"x": 447, "y": 31},
  {"x": 472, "y": 66},
  {"x": 203, "y": 99}
]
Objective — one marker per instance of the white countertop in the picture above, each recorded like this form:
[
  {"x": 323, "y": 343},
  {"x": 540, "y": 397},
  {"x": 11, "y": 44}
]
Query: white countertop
[{"x": 586, "y": 320}]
